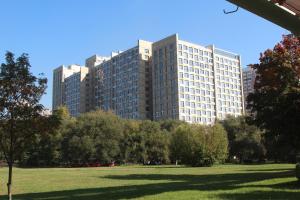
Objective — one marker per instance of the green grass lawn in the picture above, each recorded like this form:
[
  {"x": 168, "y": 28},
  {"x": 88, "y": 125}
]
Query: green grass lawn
[{"x": 269, "y": 181}]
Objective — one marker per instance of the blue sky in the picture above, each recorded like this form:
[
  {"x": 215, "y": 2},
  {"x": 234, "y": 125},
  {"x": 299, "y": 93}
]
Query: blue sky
[{"x": 55, "y": 32}]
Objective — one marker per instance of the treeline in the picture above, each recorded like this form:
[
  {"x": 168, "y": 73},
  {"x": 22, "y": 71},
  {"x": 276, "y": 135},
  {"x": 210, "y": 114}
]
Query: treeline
[{"x": 103, "y": 138}]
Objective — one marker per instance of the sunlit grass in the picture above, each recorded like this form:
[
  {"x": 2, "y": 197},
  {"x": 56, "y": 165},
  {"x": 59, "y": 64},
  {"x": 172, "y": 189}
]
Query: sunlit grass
[{"x": 269, "y": 181}]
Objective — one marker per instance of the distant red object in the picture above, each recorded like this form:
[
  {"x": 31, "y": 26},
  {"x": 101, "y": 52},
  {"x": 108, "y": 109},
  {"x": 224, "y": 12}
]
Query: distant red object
[
  {"x": 94, "y": 164},
  {"x": 108, "y": 165}
]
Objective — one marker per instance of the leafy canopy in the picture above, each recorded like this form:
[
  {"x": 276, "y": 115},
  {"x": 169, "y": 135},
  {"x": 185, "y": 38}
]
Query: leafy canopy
[{"x": 275, "y": 103}]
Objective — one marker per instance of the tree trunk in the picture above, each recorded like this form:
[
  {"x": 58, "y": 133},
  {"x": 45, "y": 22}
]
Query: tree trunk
[{"x": 9, "y": 181}]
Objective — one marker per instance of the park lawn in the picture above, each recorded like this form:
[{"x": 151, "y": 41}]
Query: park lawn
[{"x": 268, "y": 181}]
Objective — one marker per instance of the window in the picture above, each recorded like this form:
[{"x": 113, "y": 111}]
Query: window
[
  {"x": 180, "y": 61},
  {"x": 182, "y": 103}
]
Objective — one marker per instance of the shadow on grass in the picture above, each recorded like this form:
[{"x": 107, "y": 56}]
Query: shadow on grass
[
  {"x": 267, "y": 170},
  {"x": 163, "y": 167},
  {"x": 224, "y": 183}
]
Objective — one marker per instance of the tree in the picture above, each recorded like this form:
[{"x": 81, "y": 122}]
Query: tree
[
  {"x": 217, "y": 143},
  {"x": 94, "y": 136},
  {"x": 133, "y": 147},
  {"x": 170, "y": 124},
  {"x": 156, "y": 142},
  {"x": 180, "y": 144},
  {"x": 245, "y": 141},
  {"x": 21, "y": 118},
  {"x": 187, "y": 144},
  {"x": 275, "y": 103},
  {"x": 46, "y": 149},
  {"x": 199, "y": 145}
]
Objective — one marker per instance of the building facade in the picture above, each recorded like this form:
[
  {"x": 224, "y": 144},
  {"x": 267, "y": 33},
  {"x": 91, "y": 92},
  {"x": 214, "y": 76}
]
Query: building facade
[
  {"x": 76, "y": 90},
  {"x": 58, "y": 90},
  {"x": 91, "y": 63},
  {"x": 122, "y": 83},
  {"x": 194, "y": 83},
  {"x": 167, "y": 79},
  {"x": 248, "y": 82}
]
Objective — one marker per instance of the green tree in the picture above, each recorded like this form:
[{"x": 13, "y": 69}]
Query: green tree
[
  {"x": 245, "y": 141},
  {"x": 94, "y": 136},
  {"x": 81, "y": 149},
  {"x": 188, "y": 145},
  {"x": 180, "y": 144},
  {"x": 46, "y": 149},
  {"x": 133, "y": 144},
  {"x": 170, "y": 124},
  {"x": 275, "y": 103},
  {"x": 199, "y": 145},
  {"x": 20, "y": 111},
  {"x": 217, "y": 143},
  {"x": 156, "y": 142}
]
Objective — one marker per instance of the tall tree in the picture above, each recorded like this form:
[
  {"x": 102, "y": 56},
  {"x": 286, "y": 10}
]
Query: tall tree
[
  {"x": 199, "y": 145},
  {"x": 275, "y": 103},
  {"x": 95, "y": 136},
  {"x": 21, "y": 114},
  {"x": 156, "y": 142},
  {"x": 245, "y": 141},
  {"x": 132, "y": 146}
]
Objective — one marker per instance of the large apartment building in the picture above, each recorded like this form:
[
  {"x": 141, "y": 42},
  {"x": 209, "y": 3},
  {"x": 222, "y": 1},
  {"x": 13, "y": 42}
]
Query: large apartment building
[
  {"x": 194, "y": 83},
  {"x": 167, "y": 79},
  {"x": 91, "y": 63},
  {"x": 69, "y": 88},
  {"x": 58, "y": 88},
  {"x": 76, "y": 91},
  {"x": 248, "y": 82},
  {"x": 123, "y": 83}
]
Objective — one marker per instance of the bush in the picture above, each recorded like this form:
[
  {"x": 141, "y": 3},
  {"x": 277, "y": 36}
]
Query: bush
[
  {"x": 217, "y": 143},
  {"x": 198, "y": 145},
  {"x": 156, "y": 142},
  {"x": 245, "y": 141},
  {"x": 298, "y": 171},
  {"x": 100, "y": 137},
  {"x": 95, "y": 136}
]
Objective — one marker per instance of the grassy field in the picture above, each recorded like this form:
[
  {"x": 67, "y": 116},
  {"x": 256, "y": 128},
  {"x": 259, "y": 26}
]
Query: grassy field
[{"x": 270, "y": 181}]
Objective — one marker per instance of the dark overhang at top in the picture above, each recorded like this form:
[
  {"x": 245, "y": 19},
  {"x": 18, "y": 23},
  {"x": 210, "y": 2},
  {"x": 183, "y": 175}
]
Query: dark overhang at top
[{"x": 285, "y": 13}]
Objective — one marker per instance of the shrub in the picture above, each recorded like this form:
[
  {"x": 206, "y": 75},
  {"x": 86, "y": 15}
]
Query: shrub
[
  {"x": 245, "y": 141},
  {"x": 198, "y": 145},
  {"x": 217, "y": 143}
]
